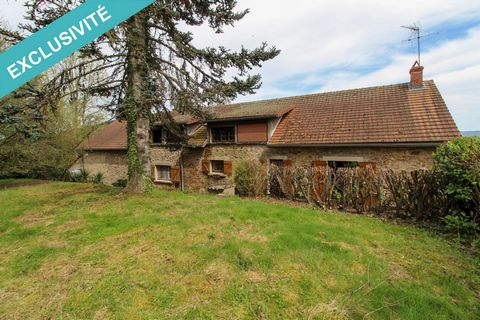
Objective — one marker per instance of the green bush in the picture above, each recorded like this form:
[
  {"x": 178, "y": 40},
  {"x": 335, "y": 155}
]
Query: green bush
[
  {"x": 122, "y": 183},
  {"x": 458, "y": 160},
  {"x": 79, "y": 176},
  {"x": 98, "y": 178},
  {"x": 250, "y": 178}
]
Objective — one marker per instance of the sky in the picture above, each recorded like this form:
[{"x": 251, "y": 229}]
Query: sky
[{"x": 344, "y": 44}]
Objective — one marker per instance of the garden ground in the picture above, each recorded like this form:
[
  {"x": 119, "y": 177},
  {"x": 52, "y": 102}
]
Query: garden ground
[{"x": 80, "y": 251}]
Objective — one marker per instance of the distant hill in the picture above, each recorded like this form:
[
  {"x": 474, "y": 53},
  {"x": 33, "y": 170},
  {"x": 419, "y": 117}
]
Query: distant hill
[{"x": 470, "y": 133}]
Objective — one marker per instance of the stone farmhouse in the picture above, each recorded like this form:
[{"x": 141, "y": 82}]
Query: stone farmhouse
[{"x": 394, "y": 126}]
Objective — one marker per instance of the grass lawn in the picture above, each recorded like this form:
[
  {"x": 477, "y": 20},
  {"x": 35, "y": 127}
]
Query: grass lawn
[{"x": 78, "y": 251}]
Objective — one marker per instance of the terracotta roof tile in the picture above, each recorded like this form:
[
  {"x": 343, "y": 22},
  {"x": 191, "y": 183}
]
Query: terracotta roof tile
[
  {"x": 387, "y": 114},
  {"x": 370, "y": 115},
  {"x": 112, "y": 136}
]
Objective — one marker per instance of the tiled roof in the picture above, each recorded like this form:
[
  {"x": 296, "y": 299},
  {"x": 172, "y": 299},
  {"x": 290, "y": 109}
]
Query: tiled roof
[
  {"x": 180, "y": 118},
  {"x": 387, "y": 114},
  {"x": 257, "y": 109},
  {"x": 112, "y": 136}
]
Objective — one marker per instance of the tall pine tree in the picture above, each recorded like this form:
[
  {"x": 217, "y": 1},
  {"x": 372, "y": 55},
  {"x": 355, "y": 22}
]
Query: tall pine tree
[{"x": 148, "y": 66}]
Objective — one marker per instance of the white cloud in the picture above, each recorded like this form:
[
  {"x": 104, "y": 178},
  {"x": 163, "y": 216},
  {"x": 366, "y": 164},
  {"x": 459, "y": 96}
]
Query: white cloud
[
  {"x": 331, "y": 45},
  {"x": 317, "y": 37}
]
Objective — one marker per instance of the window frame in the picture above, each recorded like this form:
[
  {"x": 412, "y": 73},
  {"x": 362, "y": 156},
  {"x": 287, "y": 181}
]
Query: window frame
[
  {"x": 158, "y": 170},
  {"x": 232, "y": 127},
  {"x": 212, "y": 166}
]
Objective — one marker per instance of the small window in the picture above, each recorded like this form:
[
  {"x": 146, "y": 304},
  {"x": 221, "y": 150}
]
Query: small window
[
  {"x": 223, "y": 134},
  {"x": 342, "y": 164},
  {"x": 163, "y": 173},
  {"x": 218, "y": 166},
  {"x": 276, "y": 162},
  {"x": 157, "y": 136}
]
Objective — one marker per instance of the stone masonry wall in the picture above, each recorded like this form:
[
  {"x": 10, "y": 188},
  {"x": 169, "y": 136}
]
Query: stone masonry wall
[
  {"x": 113, "y": 164},
  {"x": 386, "y": 158}
]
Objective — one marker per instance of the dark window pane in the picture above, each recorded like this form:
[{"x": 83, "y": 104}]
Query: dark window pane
[
  {"x": 223, "y": 134},
  {"x": 342, "y": 164},
  {"x": 157, "y": 135},
  {"x": 217, "y": 166},
  {"x": 275, "y": 162}
]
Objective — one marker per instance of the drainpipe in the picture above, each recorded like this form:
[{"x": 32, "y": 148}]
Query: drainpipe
[{"x": 181, "y": 173}]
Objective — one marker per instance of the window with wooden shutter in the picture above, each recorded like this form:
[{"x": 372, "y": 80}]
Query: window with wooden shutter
[
  {"x": 218, "y": 166},
  {"x": 175, "y": 174},
  {"x": 228, "y": 168},
  {"x": 163, "y": 173}
]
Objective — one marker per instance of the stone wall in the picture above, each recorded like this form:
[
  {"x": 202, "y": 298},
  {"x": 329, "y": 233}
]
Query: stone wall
[
  {"x": 386, "y": 158},
  {"x": 112, "y": 164}
]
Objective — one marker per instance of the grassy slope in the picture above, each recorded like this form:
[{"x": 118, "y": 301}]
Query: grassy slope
[{"x": 71, "y": 251}]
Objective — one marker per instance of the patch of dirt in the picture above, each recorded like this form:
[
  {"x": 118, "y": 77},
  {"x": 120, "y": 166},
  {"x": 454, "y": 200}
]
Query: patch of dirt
[
  {"x": 332, "y": 311},
  {"x": 255, "y": 277},
  {"x": 76, "y": 191},
  {"x": 24, "y": 184},
  {"x": 35, "y": 219},
  {"x": 290, "y": 203},
  {"x": 71, "y": 225},
  {"x": 397, "y": 272},
  {"x": 55, "y": 244},
  {"x": 217, "y": 273},
  {"x": 103, "y": 314},
  {"x": 249, "y": 232}
]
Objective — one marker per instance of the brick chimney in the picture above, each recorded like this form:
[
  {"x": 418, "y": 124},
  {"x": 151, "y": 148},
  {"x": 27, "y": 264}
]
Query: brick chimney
[{"x": 416, "y": 76}]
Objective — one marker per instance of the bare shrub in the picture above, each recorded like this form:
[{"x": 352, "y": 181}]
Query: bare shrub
[{"x": 250, "y": 178}]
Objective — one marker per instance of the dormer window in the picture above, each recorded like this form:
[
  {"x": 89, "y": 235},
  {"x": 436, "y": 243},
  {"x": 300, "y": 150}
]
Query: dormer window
[{"x": 223, "y": 134}]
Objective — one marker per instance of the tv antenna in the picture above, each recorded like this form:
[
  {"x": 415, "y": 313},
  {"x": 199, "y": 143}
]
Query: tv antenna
[{"x": 417, "y": 35}]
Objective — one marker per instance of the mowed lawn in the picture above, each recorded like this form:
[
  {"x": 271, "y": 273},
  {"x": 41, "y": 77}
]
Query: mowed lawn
[{"x": 78, "y": 251}]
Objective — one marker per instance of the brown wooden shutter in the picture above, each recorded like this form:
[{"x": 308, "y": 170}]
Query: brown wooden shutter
[
  {"x": 319, "y": 163},
  {"x": 227, "y": 168},
  {"x": 368, "y": 165},
  {"x": 153, "y": 172},
  {"x": 287, "y": 163},
  {"x": 175, "y": 174},
  {"x": 319, "y": 175},
  {"x": 206, "y": 166}
]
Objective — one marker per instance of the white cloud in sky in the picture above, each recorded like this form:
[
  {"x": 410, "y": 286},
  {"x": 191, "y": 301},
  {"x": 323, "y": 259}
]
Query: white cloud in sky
[{"x": 332, "y": 45}]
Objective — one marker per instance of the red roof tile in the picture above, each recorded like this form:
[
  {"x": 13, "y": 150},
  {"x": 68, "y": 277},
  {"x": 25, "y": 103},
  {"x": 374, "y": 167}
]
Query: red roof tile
[
  {"x": 387, "y": 114},
  {"x": 113, "y": 136}
]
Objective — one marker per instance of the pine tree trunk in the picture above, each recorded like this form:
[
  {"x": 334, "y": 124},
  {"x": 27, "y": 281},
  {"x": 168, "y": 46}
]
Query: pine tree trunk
[{"x": 136, "y": 107}]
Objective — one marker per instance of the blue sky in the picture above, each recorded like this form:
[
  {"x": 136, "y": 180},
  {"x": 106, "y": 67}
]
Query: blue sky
[{"x": 342, "y": 44}]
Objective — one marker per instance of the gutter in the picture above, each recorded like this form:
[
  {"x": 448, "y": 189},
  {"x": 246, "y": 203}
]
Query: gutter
[
  {"x": 263, "y": 117},
  {"x": 381, "y": 144}
]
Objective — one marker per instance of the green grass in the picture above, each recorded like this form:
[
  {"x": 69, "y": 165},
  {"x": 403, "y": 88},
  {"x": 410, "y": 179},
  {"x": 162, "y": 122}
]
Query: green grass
[{"x": 77, "y": 251}]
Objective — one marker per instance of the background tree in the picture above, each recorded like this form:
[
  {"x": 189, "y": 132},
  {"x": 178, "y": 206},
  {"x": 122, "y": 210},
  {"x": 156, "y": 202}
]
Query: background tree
[
  {"x": 148, "y": 66},
  {"x": 40, "y": 142}
]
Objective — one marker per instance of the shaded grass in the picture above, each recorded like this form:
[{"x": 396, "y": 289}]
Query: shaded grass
[{"x": 82, "y": 251}]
